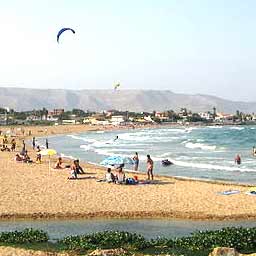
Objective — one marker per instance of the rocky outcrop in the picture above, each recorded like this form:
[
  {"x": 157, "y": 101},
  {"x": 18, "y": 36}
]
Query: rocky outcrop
[{"x": 225, "y": 251}]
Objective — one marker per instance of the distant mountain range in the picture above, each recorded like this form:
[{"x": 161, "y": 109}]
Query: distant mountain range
[{"x": 132, "y": 100}]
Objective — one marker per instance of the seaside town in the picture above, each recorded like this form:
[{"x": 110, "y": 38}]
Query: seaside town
[{"x": 117, "y": 117}]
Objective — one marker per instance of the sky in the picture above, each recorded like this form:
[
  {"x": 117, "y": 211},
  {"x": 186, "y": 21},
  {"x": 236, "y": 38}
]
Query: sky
[{"x": 186, "y": 46}]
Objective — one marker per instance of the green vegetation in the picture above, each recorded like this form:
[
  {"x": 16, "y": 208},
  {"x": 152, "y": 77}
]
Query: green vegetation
[
  {"x": 106, "y": 239},
  {"x": 23, "y": 237},
  {"x": 198, "y": 244}
]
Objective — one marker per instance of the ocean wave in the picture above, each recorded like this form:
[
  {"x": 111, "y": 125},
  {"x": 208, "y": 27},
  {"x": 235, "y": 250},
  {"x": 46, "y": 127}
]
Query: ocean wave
[
  {"x": 200, "y": 146},
  {"x": 85, "y": 147},
  {"x": 132, "y": 150},
  {"x": 215, "y": 127},
  {"x": 166, "y": 154},
  {"x": 212, "y": 166},
  {"x": 141, "y": 157},
  {"x": 100, "y": 131},
  {"x": 67, "y": 156},
  {"x": 81, "y": 138},
  {"x": 236, "y": 128},
  {"x": 190, "y": 129},
  {"x": 133, "y": 137}
]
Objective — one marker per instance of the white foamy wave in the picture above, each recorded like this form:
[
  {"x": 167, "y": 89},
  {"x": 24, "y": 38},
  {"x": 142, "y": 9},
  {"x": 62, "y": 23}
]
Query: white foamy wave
[
  {"x": 166, "y": 154},
  {"x": 200, "y": 146},
  {"x": 107, "y": 143},
  {"x": 85, "y": 147},
  {"x": 190, "y": 129},
  {"x": 100, "y": 132},
  {"x": 177, "y": 130},
  {"x": 236, "y": 128},
  {"x": 132, "y": 150},
  {"x": 215, "y": 127},
  {"x": 212, "y": 166},
  {"x": 110, "y": 153},
  {"x": 103, "y": 152},
  {"x": 67, "y": 156},
  {"x": 82, "y": 138},
  {"x": 133, "y": 137}
]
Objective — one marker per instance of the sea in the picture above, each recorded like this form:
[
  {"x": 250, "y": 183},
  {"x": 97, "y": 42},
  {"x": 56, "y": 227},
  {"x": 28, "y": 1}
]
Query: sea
[{"x": 205, "y": 152}]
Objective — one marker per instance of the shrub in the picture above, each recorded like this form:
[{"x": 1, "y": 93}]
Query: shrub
[
  {"x": 106, "y": 239},
  {"x": 239, "y": 238},
  {"x": 25, "y": 236}
]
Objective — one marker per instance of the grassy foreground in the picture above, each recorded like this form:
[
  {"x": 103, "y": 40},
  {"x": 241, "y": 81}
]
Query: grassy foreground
[{"x": 198, "y": 243}]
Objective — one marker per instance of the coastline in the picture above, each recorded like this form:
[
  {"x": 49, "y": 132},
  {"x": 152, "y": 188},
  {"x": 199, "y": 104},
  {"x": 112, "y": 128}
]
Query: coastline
[{"x": 32, "y": 192}]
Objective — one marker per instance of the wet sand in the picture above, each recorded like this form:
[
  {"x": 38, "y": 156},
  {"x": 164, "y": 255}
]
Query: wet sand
[{"x": 32, "y": 191}]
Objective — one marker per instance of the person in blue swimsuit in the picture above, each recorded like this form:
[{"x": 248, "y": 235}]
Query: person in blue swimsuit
[{"x": 136, "y": 161}]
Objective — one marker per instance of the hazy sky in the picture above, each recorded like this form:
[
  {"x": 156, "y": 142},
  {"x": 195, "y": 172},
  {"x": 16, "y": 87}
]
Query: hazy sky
[{"x": 187, "y": 46}]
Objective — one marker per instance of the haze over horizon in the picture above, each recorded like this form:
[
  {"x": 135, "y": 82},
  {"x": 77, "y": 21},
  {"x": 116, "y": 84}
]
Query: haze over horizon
[{"x": 194, "y": 47}]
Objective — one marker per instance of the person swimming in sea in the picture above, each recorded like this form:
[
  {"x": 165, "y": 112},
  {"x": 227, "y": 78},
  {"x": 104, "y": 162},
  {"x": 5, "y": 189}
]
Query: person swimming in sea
[
  {"x": 238, "y": 159},
  {"x": 116, "y": 138},
  {"x": 253, "y": 151}
]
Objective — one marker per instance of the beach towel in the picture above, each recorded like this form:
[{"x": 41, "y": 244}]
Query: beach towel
[
  {"x": 251, "y": 189},
  {"x": 144, "y": 182},
  {"x": 251, "y": 193},
  {"x": 229, "y": 192}
]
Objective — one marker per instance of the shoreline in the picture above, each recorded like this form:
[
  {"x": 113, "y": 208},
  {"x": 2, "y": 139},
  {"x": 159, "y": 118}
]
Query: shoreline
[
  {"x": 34, "y": 192},
  {"x": 126, "y": 215}
]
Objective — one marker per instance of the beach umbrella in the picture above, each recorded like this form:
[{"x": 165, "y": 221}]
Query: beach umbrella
[
  {"x": 116, "y": 160},
  {"x": 48, "y": 152}
]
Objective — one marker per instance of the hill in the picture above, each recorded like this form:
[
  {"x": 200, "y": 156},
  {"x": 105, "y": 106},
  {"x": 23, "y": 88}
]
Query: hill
[{"x": 132, "y": 100}]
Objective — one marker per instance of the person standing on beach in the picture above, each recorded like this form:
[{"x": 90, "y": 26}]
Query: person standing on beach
[
  {"x": 38, "y": 155},
  {"x": 13, "y": 145},
  {"x": 150, "y": 165},
  {"x": 46, "y": 143},
  {"x": 136, "y": 161},
  {"x": 34, "y": 143},
  {"x": 23, "y": 148}
]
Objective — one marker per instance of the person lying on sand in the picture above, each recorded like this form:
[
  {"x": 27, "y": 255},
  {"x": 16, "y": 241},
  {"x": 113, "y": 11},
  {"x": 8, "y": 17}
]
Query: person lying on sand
[
  {"x": 18, "y": 158},
  {"x": 26, "y": 158}
]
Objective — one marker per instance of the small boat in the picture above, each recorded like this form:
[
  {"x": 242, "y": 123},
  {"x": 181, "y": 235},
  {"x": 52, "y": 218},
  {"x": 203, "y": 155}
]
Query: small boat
[{"x": 166, "y": 162}]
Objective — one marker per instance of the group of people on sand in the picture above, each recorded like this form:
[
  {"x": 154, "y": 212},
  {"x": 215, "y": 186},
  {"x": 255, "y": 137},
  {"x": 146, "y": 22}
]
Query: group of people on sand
[
  {"x": 118, "y": 177},
  {"x": 75, "y": 168},
  {"x": 4, "y": 146}
]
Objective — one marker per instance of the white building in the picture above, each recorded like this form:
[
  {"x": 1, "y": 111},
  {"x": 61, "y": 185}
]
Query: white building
[
  {"x": 116, "y": 120},
  {"x": 206, "y": 115}
]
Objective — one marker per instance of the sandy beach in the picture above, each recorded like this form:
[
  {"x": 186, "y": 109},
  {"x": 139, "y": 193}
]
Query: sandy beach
[{"x": 32, "y": 191}]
